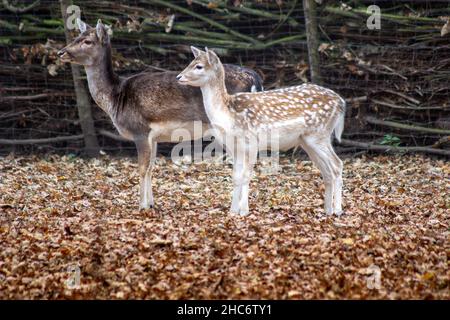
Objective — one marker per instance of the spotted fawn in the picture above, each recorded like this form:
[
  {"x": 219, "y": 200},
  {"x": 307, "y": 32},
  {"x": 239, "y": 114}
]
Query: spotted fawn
[{"x": 304, "y": 115}]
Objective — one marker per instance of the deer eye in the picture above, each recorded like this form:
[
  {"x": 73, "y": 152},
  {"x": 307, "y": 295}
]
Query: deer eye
[
  {"x": 88, "y": 42},
  {"x": 199, "y": 67}
]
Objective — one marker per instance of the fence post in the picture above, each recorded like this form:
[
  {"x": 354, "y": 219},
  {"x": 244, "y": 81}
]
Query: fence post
[
  {"x": 91, "y": 145},
  {"x": 312, "y": 38}
]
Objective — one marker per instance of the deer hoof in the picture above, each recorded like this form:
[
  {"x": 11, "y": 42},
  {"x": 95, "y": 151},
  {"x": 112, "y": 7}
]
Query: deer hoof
[
  {"x": 239, "y": 212},
  {"x": 243, "y": 213},
  {"x": 147, "y": 206},
  {"x": 234, "y": 213}
]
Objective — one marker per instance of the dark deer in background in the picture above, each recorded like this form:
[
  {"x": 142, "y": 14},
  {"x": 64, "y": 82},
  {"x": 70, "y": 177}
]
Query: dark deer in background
[{"x": 145, "y": 107}]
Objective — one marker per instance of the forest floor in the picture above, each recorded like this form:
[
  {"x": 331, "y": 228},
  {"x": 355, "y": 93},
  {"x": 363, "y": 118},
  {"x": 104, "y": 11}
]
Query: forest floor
[{"x": 64, "y": 219}]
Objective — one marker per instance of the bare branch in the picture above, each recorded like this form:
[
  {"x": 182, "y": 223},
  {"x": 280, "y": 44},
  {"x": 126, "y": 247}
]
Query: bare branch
[
  {"x": 38, "y": 141},
  {"x": 34, "y": 97},
  {"x": 397, "y": 125},
  {"x": 384, "y": 148},
  {"x": 15, "y": 9}
]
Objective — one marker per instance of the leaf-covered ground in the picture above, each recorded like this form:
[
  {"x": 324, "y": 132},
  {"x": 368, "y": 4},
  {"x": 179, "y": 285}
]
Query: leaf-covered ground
[{"x": 59, "y": 212}]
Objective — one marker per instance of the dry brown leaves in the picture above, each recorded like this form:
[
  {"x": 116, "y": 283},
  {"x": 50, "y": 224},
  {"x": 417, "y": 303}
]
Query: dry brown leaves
[{"x": 59, "y": 212}]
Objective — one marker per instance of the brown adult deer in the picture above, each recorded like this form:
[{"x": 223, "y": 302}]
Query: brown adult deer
[
  {"x": 304, "y": 115},
  {"x": 144, "y": 107}
]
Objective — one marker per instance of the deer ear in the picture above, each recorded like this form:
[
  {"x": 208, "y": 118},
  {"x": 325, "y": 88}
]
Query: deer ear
[
  {"x": 212, "y": 56},
  {"x": 102, "y": 33},
  {"x": 81, "y": 25},
  {"x": 196, "y": 51}
]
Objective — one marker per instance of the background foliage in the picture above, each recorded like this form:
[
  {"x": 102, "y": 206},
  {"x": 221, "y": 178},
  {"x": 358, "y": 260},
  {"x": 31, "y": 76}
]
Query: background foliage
[{"x": 395, "y": 79}]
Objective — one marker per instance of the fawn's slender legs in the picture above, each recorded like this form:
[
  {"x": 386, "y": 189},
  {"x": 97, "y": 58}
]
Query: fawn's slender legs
[
  {"x": 337, "y": 198},
  {"x": 321, "y": 152},
  {"x": 237, "y": 187},
  {"x": 244, "y": 160},
  {"x": 146, "y": 156}
]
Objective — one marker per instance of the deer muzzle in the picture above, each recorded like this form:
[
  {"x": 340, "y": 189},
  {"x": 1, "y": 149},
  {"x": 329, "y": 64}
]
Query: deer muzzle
[
  {"x": 181, "y": 79},
  {"x": 64, "y": 55}
]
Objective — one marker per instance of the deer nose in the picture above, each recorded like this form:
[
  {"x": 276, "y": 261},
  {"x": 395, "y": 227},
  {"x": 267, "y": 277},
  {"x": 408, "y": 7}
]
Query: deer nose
[
  {"x": 179, "y": 77},
  {"x": 61, "y": 52}
]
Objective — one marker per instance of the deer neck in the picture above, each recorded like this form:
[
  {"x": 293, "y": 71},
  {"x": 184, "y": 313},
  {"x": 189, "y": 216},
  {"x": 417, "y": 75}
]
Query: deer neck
[
  {"x": 215, "y": 100},
  {"x": 103, "y": 82}
]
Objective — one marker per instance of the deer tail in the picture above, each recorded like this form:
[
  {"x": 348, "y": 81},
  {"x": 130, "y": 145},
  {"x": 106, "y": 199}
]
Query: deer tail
[{"x": 339, "y": 126}]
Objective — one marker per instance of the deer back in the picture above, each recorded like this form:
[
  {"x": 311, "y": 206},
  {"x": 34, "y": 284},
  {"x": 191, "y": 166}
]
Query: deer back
[
  {"x": 308, "y": 105},
  {"x": 147, "y": 98}
]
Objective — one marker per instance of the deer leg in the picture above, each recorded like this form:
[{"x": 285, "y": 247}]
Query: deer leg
[
  {"x": 149, "y": 173},
  {"x": 241, "y": 175},
  {"x": 247, "y": 171},
  {"x": 318, "y": 149},
  {"x": 337, "y": 188},
  {"x": 237, "y": 187},
  {"x": 146, "y": 150},
  {"x": 335, "y": 166}
]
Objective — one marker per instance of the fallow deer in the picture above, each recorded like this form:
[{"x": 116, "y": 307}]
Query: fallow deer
[
  {"x": 304, "y": 115},
  {"x": 144, "y": 107}
]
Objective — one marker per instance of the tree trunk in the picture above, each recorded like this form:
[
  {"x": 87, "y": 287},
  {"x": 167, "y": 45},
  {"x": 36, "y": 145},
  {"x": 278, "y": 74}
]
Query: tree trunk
[
  {"x": 82, "y": 95},
  {"x": 312, "y": 36}
]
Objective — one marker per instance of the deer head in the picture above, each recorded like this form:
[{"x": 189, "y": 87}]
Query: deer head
[
  {"x": 88, "y": 47},
  {"x": 202, "y": 69}
]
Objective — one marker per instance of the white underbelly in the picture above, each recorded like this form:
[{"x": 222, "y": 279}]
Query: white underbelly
[
  {"x": 177, "y": 131},
  {"x": 281, "y": 139},
  {"x": 274, "y": 140}
]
